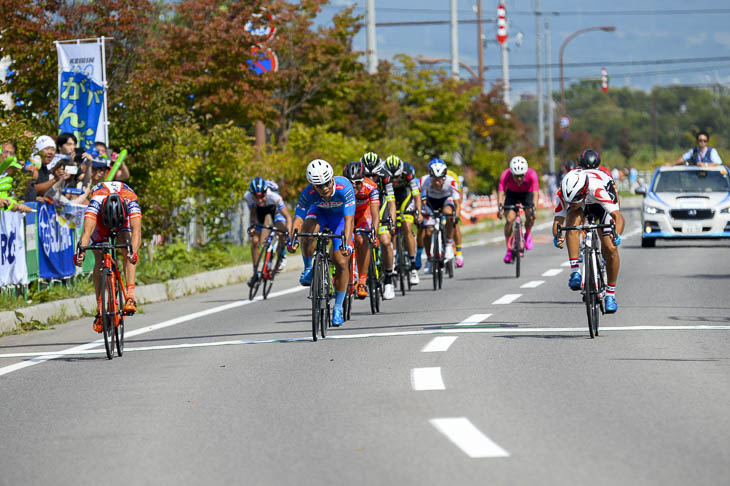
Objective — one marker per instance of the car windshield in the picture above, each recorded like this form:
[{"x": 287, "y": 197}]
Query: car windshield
[{"x": 692, "y": 181}]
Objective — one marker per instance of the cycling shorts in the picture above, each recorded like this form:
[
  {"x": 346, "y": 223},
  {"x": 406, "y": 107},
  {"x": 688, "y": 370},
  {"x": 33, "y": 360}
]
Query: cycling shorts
[
  {"x": 101, "y": 233},
  {"x": 513, "y": 198},
  {"x": 335, "y": 222},
  {"x": 602, "y": 216},
  {"x": 263, "y": 211},
  {"x": 435, "y": 204}
]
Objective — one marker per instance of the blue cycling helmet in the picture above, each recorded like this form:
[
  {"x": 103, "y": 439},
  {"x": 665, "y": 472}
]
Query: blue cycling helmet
[
  {"x": 436, "y": 160},
  {"x": 258, "y": 185}
]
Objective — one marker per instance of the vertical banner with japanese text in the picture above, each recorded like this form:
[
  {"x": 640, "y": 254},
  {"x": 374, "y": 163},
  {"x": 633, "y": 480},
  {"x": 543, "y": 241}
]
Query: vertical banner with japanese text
[
  {"x": 13, "y": 269},
  {"x": 82, "y": 96}
]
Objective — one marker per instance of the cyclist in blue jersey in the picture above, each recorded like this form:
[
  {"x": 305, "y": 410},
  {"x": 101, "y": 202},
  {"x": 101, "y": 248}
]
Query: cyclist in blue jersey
[{"x": 326, "y": 202}]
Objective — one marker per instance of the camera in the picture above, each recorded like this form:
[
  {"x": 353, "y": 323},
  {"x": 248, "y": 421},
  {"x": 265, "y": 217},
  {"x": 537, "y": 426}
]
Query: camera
[
  {"x": 72, "y": 169},
  {"x": 78, "y": 152}
]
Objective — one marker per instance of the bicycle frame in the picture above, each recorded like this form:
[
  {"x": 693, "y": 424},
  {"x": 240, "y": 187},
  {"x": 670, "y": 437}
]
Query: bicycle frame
[{"x": 518, "y": 236}]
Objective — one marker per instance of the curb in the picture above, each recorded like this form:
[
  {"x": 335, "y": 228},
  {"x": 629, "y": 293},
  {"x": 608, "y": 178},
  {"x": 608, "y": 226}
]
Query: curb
[{"x": 68, "y": 309}]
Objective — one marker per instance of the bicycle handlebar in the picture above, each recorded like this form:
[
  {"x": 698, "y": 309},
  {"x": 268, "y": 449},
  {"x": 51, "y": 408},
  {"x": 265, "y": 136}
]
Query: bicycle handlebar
[
  {"x": 268, "y": 227},
  {"x": 587, "y": 227},
  {"x": 104, "y": 246}
]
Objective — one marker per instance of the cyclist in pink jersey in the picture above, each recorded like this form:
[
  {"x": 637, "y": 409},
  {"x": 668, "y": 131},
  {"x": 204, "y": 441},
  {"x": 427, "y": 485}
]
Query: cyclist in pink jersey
[{"x": 518, "y": 184}]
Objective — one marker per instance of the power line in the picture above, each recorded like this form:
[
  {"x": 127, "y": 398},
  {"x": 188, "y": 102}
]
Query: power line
[
  {"x": 634, "y": 74},
  {"x": 430, "y": 22},
  {"x": 555, "y": 13},
  {"x": 686, "y": 60}
]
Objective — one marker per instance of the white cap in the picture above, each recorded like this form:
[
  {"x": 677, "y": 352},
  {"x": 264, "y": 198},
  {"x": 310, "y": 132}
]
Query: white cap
[{"x": 42, "y": 142}]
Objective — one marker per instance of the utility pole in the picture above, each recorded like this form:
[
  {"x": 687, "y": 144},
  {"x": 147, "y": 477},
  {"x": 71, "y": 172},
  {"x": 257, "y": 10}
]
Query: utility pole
[
  {"x": 480, "y": 46},
  {"x": 454, "y": 41},
  {"x": 540, "y": 97},
  {"x": 372, "y": 53},
  {"x": 549, "y": 76},
  {"x": 502, "y": 37}
]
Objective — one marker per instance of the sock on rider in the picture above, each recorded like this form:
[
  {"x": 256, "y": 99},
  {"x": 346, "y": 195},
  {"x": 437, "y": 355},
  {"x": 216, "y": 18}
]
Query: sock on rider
[
  {"x": 458, "y": 250},
  {"x": 419, "y": 252},
  {"x": 574, "y": 265},
  {"x": 611, "y": 290},
  {"x": 130, "y": 291},
  {"x": 413, "y": 262},
  {"x": 307, "y": 261},
  {"x": 339, "y": 299},
  {"x": 389, "y": 276}
]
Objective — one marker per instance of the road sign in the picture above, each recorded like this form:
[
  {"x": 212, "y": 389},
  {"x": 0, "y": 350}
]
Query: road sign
[
  {"x": 263, "y": 60},
  {"x": 604, "y": 79},
  {"x": 501, "y": 24},
  {"x": 262, "y": 26},
  {"x": 564, "y": 122}
]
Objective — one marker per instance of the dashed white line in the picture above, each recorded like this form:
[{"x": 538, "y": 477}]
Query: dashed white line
[
  {"x": 533, "y": 284},
  {"x": 468, "y": 438},
  {"x": 474, "y": 319},
  {"x": 507, "y": 299},
  {"x": 439, "y": 344},
  {"x": 552, "y": 272},
  {"x": 426, "y": 379}
]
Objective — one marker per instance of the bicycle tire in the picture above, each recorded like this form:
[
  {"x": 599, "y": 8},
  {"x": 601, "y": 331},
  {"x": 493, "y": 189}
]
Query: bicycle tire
[
  {"x": 401, "y": 262},
  {"x": 326, "y": 320},
  {"x": 267, "y": 282},
  {"x": 254, "y": 288},
  {"x": 588, "y": 290},
  {"x": 596, "y": 295},
  {"x": 119, "y": 328},
  {"x": 516, "y": 254},
  {"x": 435, "y": 257},
  {"x": 372, "y": 286},
  {"x": 315, "y": 290},
  {"x": 107, "y": 312}
]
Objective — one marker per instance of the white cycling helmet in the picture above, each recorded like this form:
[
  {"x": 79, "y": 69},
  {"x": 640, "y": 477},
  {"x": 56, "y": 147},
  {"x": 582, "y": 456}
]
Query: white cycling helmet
[
  {"x": 518, "y": 165},
  {"x": 574, "y": 186},
  {"x": 437, "y": 169},
  {"x": 319, "y": 172}
]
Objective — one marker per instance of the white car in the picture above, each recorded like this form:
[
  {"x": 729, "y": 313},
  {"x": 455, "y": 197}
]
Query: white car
[{"x": 686, "y": 202}]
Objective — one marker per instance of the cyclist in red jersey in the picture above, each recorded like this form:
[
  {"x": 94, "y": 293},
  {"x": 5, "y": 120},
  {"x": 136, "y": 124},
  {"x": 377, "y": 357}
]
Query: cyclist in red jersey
[
  {"x": 367, "y": 217},
  {"x": 113, "y": 209}
]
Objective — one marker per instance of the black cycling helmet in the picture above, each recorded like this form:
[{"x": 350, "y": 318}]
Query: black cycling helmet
[
  {"x": 258, "y": 185},
  {"x": 355, "y": 171},
  {"x": 371, "y": 161},
  {"x": 589, "y": 159},
  {"x": 114, "y": 212}
]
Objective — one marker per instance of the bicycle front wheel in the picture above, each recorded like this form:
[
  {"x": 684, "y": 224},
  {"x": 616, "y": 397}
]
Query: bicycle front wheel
[
  {"x": 516, "y": 251},
  {"x": 316, "y": 289},
  {"x": 119, "y": 328},
  {"x": 107, "y": 312},
  {"x": 590, "y": 291},
  {"x": 435, "y": 257},
  {"x": 325, "y": 308}
]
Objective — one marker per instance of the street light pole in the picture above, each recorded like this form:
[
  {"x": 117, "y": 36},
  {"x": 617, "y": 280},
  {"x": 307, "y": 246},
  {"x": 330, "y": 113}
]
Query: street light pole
[
  {"x": 372, "y": 45},
  {"x": 549, "y": 77},
  {"x": 540, "y": 100},
  {"x": 605, "y": 28},
  {"x": 480, "y": 46},
  {"x": 454, "y": 41}
]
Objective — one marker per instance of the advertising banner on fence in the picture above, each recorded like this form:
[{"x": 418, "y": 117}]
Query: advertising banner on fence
[
  {"x": 55, "y": 245},
  {"x": 13, "y": 269},
  {"x": 81, "y": 93}
]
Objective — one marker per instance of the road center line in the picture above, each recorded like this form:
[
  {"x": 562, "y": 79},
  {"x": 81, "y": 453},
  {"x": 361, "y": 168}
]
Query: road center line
[
  {"x": 425, "y": 379},
  {"x": 83, "y": 349},
  {"x": 439, "y": 344},
  {"x": 532, "y": 285},
  {"x": 468, "y": 438},
  {"x": 552, "y": 272},
  {"x": 507, "y": 299},
  {"x": 474, "y": 319}
]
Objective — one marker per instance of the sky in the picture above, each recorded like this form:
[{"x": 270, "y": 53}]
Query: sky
[{"x": 658, "y": 31}]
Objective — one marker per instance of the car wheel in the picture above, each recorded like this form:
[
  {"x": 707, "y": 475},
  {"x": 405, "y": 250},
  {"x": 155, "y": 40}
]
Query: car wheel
[{"x": 648, "y": 242}]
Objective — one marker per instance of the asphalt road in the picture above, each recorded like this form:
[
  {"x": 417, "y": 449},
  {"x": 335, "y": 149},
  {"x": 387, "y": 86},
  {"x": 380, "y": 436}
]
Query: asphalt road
[{"x": 445, "y": 387}]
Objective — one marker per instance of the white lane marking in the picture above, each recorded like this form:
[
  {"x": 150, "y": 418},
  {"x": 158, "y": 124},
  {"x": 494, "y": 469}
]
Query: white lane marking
[
  {"x": 83, "y": 349},
  {"x": 565, "y": 264},
  {"x": 425, "y": 332},
  {"x": 474, "y": 319},
  {"x": 439, "y": 344},
  {"x": 552, "y": 272},
  {"x": 532, "y": 285},
  {"x": 468, "y": 438},
  {"x": 507, "y": 299},
  {"x": 425, "y": 379}
]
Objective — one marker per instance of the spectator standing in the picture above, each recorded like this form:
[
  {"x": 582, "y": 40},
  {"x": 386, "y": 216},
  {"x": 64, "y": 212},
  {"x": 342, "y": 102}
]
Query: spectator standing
[{"x": 45, "y": 148}]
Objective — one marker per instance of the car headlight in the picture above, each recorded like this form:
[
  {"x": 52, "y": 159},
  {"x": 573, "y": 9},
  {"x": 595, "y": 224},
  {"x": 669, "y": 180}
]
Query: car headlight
[
  {"x": 653, "y": 210},
  {"x": 726, "y": 210}
]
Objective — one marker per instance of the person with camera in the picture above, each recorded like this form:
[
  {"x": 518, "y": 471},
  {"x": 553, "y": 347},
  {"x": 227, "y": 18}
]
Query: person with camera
[{"x": 45, "y": 151}]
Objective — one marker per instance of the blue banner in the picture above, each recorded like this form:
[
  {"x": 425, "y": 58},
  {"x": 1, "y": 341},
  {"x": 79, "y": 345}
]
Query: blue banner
[
  {"x": 55, "y": 245},
  {"x": 79, "y": 107}
]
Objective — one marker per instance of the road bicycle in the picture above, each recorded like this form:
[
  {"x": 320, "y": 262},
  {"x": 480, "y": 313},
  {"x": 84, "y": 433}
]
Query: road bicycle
[
  {"x": 518, "y": 237},
  {"x": 374, "y": 288},
  {"x": 272, "y": 253},
  {"x": 113, "y": 296},
  {"x": 438, "y": 246},
  {"x": 402, "y": 265},
  {"x": 321, "y": 291},
  {"x": 593, "y": 270}
]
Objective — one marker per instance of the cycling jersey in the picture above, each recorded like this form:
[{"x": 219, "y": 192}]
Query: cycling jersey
[
  {"x": 341, "y": 203},
  {"x": 406, "y": 186},
  {"x": 529, "y": 184},
  {"x": 367, "y": 195},
  {"x": 98, "y": 195},
  {"x": 449, "y": 189},
  {"x": 601, "y": 191},
  {"x": 273, "y": 205}
]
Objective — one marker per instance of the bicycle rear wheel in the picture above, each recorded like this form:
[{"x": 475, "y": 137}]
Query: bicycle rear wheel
[
  {"x": 119, "y": 328},
  {"x": 107, "y": 312}
]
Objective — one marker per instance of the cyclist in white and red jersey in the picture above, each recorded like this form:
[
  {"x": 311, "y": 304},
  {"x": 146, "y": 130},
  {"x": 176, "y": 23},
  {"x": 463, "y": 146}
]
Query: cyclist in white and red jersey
[
  {"x": 367, "y": 217},
  {"x": 113, "y": 209},
  {"x": 590, "y": 192},
  {"x": 439, "y": 193},
  {"x": 518, "y": 184}
]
